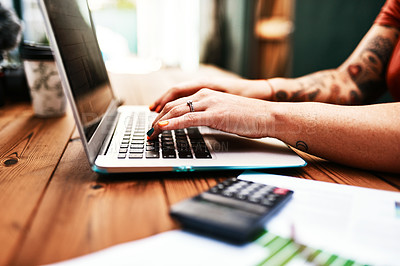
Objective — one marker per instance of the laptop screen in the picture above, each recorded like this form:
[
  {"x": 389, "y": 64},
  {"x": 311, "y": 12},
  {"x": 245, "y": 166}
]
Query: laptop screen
[{"x": 81, "y": 56}]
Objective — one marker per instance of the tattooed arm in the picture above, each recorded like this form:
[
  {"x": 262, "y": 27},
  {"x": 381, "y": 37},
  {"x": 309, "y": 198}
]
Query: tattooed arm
[
  {"x": 360, "y": 79},
  {"x": 361, "y": 136},
  {"x": 366, "y": 136}
]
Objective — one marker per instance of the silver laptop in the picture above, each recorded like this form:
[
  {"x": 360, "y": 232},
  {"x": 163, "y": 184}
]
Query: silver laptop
[{"x": 114, "y": 136}]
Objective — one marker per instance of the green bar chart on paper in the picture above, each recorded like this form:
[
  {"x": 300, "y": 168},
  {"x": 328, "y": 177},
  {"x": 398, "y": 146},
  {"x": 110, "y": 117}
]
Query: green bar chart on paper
[{"x": 284, "y": 251}]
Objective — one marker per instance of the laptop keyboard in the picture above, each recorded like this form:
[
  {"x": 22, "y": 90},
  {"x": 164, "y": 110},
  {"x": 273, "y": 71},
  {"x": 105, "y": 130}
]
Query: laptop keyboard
[{"x": 171, "y": 144}]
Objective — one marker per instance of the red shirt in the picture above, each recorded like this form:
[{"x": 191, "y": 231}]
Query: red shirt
[{"x": 390, "y": 16}]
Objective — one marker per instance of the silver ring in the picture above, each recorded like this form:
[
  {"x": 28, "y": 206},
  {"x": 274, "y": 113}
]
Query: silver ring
[{"x": 190, "y": 104}]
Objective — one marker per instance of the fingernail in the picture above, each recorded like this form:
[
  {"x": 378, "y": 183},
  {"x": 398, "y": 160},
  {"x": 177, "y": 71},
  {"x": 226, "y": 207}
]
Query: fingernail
[
  {"x": 163, "y": 123},
  {"x": 158, "y": 109},
  {"x": 150, "y": 132},
  {"x": 151, "y": 107}
]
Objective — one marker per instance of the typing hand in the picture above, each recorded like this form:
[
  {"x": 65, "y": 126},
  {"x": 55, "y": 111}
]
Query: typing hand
[
  {"x": 249, "y": 88},
  {"x": 230, "y": 113}
]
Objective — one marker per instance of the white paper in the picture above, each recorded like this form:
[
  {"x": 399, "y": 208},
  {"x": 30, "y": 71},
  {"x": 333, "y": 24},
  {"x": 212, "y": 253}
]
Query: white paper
[
  {"x": 352, "y": 222},
  {"x": 173, "y": 248}
]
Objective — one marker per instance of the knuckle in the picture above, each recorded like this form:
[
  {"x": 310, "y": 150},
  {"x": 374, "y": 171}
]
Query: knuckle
[
  {"x": 174, "y": 111},
  {"x": 168, "y": 106},
  {"x": 176, "y": 92},
  {"x": 203, "y": 92},
  {"x": 189, "y": 118},
  {"x": 173, "y": 89},
  {"x": 214, "y": 100}
]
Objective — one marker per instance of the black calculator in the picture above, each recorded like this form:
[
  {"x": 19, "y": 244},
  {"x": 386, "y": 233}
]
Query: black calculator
[{"x": 235, "y": 210}]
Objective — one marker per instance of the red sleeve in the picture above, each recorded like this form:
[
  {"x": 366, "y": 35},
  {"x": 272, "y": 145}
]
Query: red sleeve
[{"x": 390, "y": 14}]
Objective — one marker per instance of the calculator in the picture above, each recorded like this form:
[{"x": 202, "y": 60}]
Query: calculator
[{"x": 234, "y": 210}]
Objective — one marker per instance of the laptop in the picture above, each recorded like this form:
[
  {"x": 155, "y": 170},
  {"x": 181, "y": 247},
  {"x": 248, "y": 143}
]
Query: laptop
[{"x": 114, "y": 137}]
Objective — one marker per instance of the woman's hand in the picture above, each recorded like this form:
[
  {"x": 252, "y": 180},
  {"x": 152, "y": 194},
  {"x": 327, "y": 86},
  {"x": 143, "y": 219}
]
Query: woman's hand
[
  {"x": 230, "y": 113},
  {"x": 259, "y": 89}
]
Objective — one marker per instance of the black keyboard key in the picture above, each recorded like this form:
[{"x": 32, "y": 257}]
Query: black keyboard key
[
  {"x": 152, "y": 154},
  {"x": 168, "y": 154},
  {"x": 123, "y": 150},
  {"x": 152, "y": 148},
  {"x": 153, "y": 142},
  {"x": 180, "y": 132},
  {"x": 167, "y": 133},
  {"x": 137, "y": 146},
  {"x": 193, "y": 132},
  {"x": 168, "y": 143},
  {"x": 135, "y": 155},
  {"x": 136, "y": 151},
  {"x": 185, "y": 155},
  {"x": 202, "y": 155}
]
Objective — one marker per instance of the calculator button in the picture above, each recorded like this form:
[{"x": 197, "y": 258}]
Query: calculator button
[
  {"x": 241, "y": 196},
  {"x": 220, "y": 186},
  {"x": 272, "y": 197},
  {"x": 234, "y": 203},
  {"x": 228, "y": 193},
  {"x": 266, "y": 202},
  {"x": 214, "y": 190},
  {"x": 281, "y": 191},
  {"x": 255, "y": 199}
]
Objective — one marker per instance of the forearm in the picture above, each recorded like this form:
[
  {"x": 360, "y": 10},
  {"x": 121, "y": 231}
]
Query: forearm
[
  {"x": 328, "y": 86},
  {"x": 361, "y": 136},
  {"x": 360, "y": 79}
]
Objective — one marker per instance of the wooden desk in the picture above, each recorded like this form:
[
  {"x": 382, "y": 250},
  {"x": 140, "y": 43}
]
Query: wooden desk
[{"x": 53, "y": 207}]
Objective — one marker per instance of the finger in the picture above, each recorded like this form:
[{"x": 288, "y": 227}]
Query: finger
[
  {"x": 182, "y": 109},
  {"x": 179, "y": 106},
  {"x": 179, "y": 91},
  {"x": 187, "y": 120},
  {"x": 168, "y": 107}
]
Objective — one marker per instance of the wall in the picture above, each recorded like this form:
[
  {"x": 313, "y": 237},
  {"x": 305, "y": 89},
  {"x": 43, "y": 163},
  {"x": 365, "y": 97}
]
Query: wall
[{"x": 326, "y": 32}]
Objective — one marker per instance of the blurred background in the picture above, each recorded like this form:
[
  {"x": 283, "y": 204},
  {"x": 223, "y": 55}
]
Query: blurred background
[{"x": 252, "y": 38}]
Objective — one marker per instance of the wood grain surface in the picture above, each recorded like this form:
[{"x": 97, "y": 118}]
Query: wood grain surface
[{"x": 53, "y": 207}]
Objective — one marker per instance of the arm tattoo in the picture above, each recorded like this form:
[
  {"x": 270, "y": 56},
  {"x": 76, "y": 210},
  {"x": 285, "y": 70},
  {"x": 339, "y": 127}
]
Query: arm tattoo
[
  {"x": 301, "y": 145},
  {"x": 369, "y": 71},
  {"x": 308, "y": 89},
  {"x": 281, "y": 96},
  {"x": 363, "y": 84}
]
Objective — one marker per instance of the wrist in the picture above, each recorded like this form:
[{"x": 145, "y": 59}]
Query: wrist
[
  {"x": 279, "y": 114},
  {"x": 276, "y": 85},
  {"x": 273, "y": 111},
  {"x": 270, "y": 89}
]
